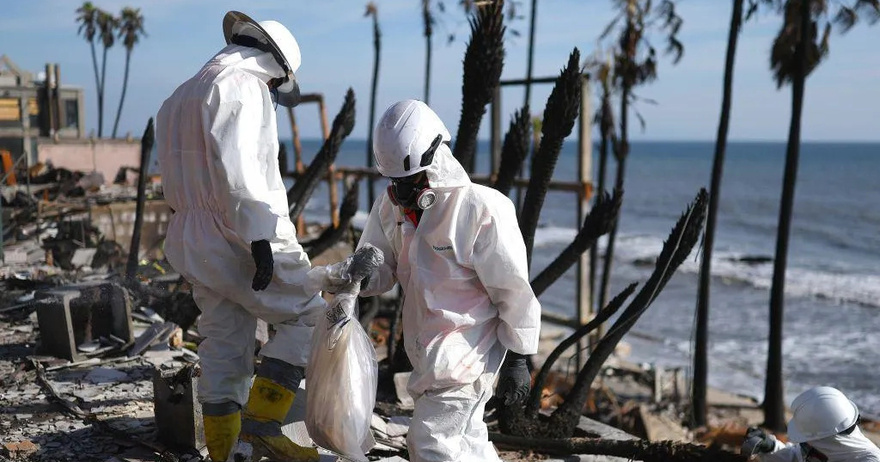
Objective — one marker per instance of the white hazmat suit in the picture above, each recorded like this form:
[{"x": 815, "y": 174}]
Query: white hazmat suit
[
  {"x": 823, "y": 428},
  {"x": 467, "y": 298},
  {"x": 218, "y": 155}
]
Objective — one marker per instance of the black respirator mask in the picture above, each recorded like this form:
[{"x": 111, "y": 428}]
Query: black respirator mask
[{"x": 413, "y": 191}]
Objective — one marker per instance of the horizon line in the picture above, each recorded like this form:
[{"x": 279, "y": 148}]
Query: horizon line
[{"x": 743, "y": 140}]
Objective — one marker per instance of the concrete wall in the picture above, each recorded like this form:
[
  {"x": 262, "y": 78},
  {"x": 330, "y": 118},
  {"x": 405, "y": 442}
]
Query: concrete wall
[
  {"x": 116, "y": 222},
  {"x": 104, "y": 156}
]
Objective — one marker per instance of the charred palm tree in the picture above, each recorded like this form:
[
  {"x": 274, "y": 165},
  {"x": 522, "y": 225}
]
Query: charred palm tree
[
  {"x": 797, "y": 50},
  {"x": 597, "y": 223},
  {"x": 131, "y": 28},
  {"x": 332, "y": 234},
  {"x": 635, "y": 63},
  {"x": 372, "y": 10},
  {"x": 560, "y": 113},
  {"x": 483, "y": 62},
  {"x": 513, "y": 151},
  {"x": 525, "y": 420},
  {"x": 147, "y": 141},
  {"x": 604, "y": 119},
  {"x": 299, "y": 194},
  {"x": 428, "y": 21}
]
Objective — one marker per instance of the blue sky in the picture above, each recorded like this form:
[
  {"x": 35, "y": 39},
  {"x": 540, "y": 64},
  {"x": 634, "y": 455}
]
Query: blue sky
[{"x": 842, "y": 102}]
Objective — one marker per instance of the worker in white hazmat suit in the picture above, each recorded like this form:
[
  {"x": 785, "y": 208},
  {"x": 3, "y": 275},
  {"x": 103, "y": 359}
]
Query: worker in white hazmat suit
[
  {"x": 824, "y": 428},
  {"x": 231, "y": 236},
  {"x": 456, "y": 249}
]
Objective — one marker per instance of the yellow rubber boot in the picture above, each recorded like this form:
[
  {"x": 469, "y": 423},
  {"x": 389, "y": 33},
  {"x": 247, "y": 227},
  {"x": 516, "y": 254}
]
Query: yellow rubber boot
[
  {"x": 221, "y": 433},
  {"x": 267, "y": 406}
]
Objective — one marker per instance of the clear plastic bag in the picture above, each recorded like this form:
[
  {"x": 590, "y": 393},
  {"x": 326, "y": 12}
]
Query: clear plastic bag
[{"x": 341, "y": 380}]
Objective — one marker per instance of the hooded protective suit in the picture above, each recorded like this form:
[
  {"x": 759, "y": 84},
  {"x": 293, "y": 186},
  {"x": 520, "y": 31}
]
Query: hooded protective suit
[
  {"x": 823, "y": 428},
  {"x": 854, "y": 447},
  {"x": 218, "y": 148},
  {"x": 467, "y": 298}
]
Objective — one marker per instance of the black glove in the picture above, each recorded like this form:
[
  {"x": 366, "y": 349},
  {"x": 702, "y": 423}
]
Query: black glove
[
  {"x": 757, "y": 441},
  {"x": 514, "y": 380},
  {"x": 262, "y": 253}
]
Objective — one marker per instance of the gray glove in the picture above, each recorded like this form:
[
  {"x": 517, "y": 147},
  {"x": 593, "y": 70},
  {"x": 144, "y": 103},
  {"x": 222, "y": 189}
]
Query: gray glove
[
  {"x": 514, "y": 380},
  {"x": 349, "y": 274},
  {"x": 757, "y": 441}
]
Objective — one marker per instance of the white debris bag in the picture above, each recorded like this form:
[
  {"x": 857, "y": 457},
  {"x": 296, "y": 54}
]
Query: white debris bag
[{"x": 341, "y": 379}]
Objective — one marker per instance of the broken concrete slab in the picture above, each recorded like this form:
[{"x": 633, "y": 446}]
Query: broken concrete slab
[
  {"x": 177, "y": 410},
  {"x": 56, "y": 325},
  {"x": 83, "y": 257},
  {"x": 100, "y": 375}
]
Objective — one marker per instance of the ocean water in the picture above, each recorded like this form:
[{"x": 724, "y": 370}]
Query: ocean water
[{"x": 832, "y": 301}]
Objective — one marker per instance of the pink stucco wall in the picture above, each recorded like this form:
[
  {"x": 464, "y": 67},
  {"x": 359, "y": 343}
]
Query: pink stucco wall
[{"x": 104, "y": 156}]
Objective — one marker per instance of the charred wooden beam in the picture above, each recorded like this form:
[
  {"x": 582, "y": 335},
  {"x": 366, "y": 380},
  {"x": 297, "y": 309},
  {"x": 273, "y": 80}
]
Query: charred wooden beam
[
  {"x": 299, "y": 194},
  {"x": 332, "y": 234},
  {"x": 660, "y": 451}
]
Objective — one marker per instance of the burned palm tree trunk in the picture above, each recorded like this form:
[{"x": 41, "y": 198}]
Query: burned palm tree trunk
[
  {"x": 534, "y": 401},
  {"x": 561, "y": 424},
  {"x": 146, "y": 148},
  {"x": 514, "y": 150},
  {"x": 428, "y": 21},
  {"x": 701, "y": 347},
  {"x": 559, "y": 116},
  {"x": 649, "y": 451},
  {"x": 678, "y": 245},
  {"x": 597, "y": 223},
  {"x": 373, "y": 11},
  {"x": 299, "y": 194},
  {"x": 483, "y": 62},
  {"x": 332, "y": 234},
  {"x": 605, "y": 120},
  {"x": 774, "y": 406}
]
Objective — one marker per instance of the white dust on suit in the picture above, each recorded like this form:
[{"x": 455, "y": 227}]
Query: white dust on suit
[
  {"x": 854, "y": 447},
  {"x": 467, "y": 299},
  {"x": 218, "y": 155}
]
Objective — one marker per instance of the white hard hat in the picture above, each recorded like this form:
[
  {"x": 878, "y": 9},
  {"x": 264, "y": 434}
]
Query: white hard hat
[
  {"x": 406, "y": 131},
  {"x": 272, "y": 37},
  {"x": 820, "y": 412}
]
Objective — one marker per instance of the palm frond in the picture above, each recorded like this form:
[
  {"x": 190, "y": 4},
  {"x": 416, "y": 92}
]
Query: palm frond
[{"x": 483, "y": 62}]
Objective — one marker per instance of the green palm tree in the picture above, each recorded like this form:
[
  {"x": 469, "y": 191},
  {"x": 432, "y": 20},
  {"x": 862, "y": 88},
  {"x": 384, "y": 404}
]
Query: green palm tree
[
  {"x": 131, "y": 28},
  {"x": 797, "y": 50},
  {"x": 87, "y": 17},
  {"x": 701, "y": 367},
  {"x": 107, "y": 25}
]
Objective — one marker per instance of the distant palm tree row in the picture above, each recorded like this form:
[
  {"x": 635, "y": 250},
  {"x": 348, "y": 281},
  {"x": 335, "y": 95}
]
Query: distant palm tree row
[{"x": 97, "y": 23}]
